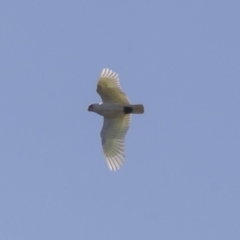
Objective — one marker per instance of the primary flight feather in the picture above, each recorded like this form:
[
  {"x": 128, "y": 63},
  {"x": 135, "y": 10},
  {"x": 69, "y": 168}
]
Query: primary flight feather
[{"x": 116, "y": 110}]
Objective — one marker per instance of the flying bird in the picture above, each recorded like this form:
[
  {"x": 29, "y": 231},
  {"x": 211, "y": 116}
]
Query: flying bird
[{"x": 116, "y": 110}]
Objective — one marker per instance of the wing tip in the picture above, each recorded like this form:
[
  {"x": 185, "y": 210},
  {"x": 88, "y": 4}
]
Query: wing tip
[
  {"x": 115, "y": 163},
  {"x": 106, "y": 72}
]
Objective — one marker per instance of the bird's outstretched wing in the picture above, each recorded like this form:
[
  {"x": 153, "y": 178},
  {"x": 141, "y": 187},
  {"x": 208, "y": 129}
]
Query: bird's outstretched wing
[
  {"x": 113, "y": 140},
  {"x": 109, "y": 89}
]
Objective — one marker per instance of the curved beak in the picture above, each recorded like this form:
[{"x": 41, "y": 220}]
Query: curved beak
[{"x": 89, "y": 107}]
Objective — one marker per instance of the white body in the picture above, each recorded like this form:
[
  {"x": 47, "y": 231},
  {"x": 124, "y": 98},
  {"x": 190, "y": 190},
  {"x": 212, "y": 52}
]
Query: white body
[{"x": 109, "y": 110}]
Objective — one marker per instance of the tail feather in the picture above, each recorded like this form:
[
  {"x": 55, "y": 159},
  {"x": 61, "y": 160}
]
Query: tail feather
[{"x": 137, "y": 108}]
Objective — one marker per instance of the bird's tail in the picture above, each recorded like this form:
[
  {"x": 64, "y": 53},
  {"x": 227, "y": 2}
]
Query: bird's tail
[{"x": 137, "y": 108}]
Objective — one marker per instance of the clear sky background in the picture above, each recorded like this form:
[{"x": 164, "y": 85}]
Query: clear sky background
[{"x": 181, "y": 178}]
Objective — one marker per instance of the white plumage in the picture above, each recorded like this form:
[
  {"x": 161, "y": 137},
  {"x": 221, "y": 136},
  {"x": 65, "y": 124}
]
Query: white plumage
[{"x": 116, "y": 110}]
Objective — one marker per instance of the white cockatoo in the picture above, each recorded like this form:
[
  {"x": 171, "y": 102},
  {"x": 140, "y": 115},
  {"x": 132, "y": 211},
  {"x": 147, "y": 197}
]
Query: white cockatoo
[{"x": 116, "y": 111}]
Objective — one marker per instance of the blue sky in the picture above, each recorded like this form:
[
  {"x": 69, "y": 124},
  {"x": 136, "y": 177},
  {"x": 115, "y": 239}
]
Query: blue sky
[{"x": 182, "y": 172}]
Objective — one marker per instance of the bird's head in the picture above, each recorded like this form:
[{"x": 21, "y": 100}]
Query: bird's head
[{"x": 92, "y": 107}]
